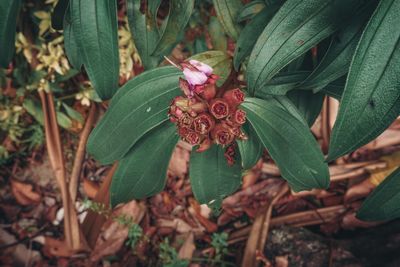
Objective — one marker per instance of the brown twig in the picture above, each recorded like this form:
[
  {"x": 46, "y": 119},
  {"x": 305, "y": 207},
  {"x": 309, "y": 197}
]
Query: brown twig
[
  {"x": 93, "y": 222},
  {"x": 325, "y": 125},
  {"x": 259, "y": 231},
  {"x": 80, "y": 153},
  {"x": 298, "y": 219},
  {"x": 54, "y": 148}
]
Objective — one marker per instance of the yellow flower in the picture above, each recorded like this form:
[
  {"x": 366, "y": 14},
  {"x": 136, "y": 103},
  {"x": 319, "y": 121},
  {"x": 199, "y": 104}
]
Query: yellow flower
[
  {"x": 52, "y": 57},
  {"x": 87, "y": 93},
  {"x": 128, "y": 54},
  {"x": 51, "y": 2},
  {"x": 45, "y": 21},
  {"x": 22, "y": 45}
]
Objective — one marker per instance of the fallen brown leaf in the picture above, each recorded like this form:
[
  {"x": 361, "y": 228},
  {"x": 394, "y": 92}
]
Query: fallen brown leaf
[
  {"x": 56, "y": 248},
  {"x": 281, "y": 261},
  {"x": 24, "y": 193},
  {"x": 188, "y": 247},
  {"x": 90, "y": 188},
  {"x": 178, "y": 164},
  {"x": 350, "y": 221},
  {"x": 113, "y": 234}
]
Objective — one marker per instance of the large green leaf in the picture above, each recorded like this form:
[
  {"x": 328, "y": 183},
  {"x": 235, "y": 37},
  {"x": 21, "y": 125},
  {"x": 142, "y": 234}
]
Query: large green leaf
[
  {"x": 296, "y": 27},
  {"x": 95, "y": 29},
  {"x": 336, "y": 61},
  {"x": 288, "y": 105},
  {"x": 220, "y": 61},
  {"x": 211, "y": 177},
  {"x": 70, "y": 43},
  {"x": 227, "y": 12},
  {"x": 290, "y": 144},
  {"x": 142, "y": 172},
  {"x": 335, "y": 88},
  {"x": 371, "y": 98},
  {"x": 251, "y": 31},
  {"x": 282, "y": 83},
  {"x": 249, "y": 10},
  {"x": 139, "y": 106},
  {"x": 8, "y": 19},
  {"x": 217, "y": 35},
  {"x": 250, "y": 149},
  {"x": 179, "y": 15},
  {"x": 309, "y": 104},
  {"x": 59, "y": 11},
  {"x": 384, "y": 202},
  {"x": 144, "y": 31}
]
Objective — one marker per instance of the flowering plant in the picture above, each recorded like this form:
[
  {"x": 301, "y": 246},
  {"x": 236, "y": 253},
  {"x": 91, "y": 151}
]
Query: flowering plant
[{"x": 259, "y": 85}]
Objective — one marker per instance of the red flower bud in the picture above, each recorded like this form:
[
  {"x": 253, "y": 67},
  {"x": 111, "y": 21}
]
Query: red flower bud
[
  {"x": 183, "y": 131},
  {"x": 235, "y": 130},
  {"x": 219, "y": 108},
  {"x": 198, "y": 107},
  {"x": 186, "y": 120},
  {"x": 203, "y": 123},
  {"x": 192, "y": 138},
  {"x": 239, "y": 116},
  {"x": 222, "y": 134},
  {"x": 209, "y": 92},
  {"x": 230, "y": 154},
  {"x": 234, "y": 97}
]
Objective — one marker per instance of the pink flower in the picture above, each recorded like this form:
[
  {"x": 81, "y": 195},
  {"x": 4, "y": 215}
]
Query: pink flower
[
  {"x": 194, "y": 77},
  {"x": 204, "y": 68}
]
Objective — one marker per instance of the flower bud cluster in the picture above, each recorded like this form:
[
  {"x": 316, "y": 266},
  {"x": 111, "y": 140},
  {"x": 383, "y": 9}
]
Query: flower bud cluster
[{"x": 204, "y": 115}]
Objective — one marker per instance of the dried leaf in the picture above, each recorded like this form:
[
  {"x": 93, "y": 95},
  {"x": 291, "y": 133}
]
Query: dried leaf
[
  {"x": 178, "y": 165},
  {"x": 188, "y": 247},
  {"x": 56, "y": 248},
  {"x": 24, "y": 193},
  {"x": 91, "y": 188},
  {"x": 114, "y": 233}
]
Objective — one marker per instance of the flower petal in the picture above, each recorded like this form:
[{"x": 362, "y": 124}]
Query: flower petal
[{"x": 206, "y": 69}]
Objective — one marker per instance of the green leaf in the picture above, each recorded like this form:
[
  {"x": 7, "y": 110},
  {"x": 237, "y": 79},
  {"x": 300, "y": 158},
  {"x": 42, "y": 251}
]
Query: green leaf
[
  {"x": 252, "y": 31},
  {"x": 250, "y": 10},
  {"x": 227, "y": 12},
  {"x": 63, "y": 120},
  {"x": 251, "y": 149},
  {"x": 57, "y": 17},
  {"x": 297, "y": 26},
  {"x": 8, "y": 22},
  {"x": 144, "y": 31},
  {"x": 384, "y": 202},
  {"x": 179, "y": 15},
  {"x": 220, "y": 61},
  {"x": 143, "y": 171},
  {"x": 288, "y": 105},
  {"x": 154, "y": 5},
  {"x": 282, "y": 83},
  {"x": 371, "y": 98},
  {"x": 70, "y": 43},
  {"x": 139, "y": 106},
  {"x": 211, "y": 177},
  {"x": 72, "y": 113},
  {"x": 217, "y": 34},
  {"x": 336, "y": 61},
  {"x": 34, "y": 109},
  {"x": 309, "y": 104},
  {"x": 335, "y": 88},
  {"x": 289, "y": 143},
  {"x": 95, "y": 29}
]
